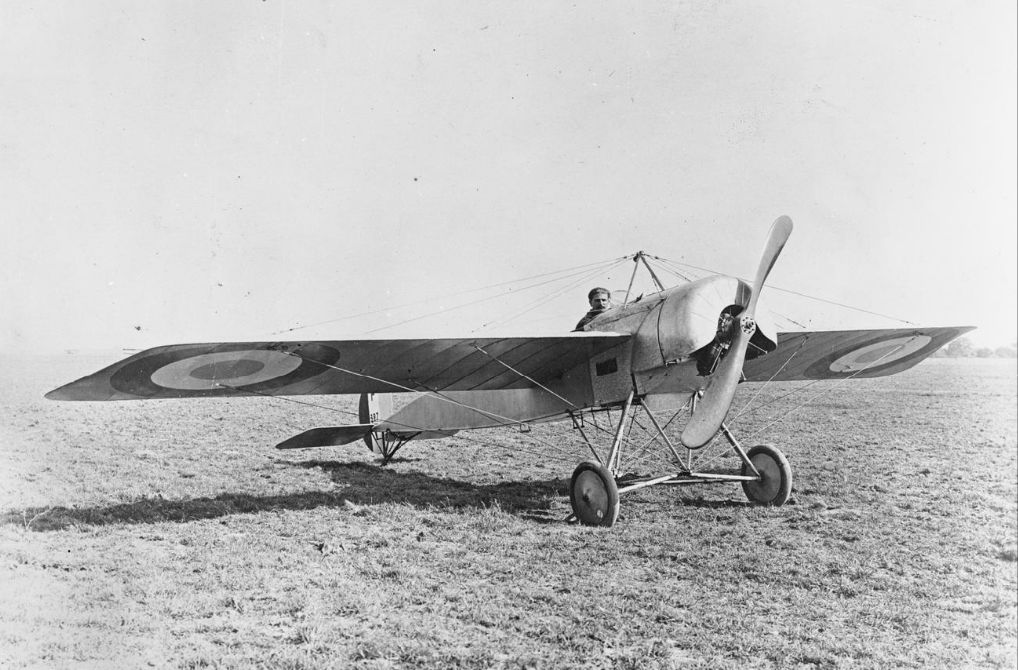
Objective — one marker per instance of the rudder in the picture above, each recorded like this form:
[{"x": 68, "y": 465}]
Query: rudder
[{"x": 373, "y": 408}]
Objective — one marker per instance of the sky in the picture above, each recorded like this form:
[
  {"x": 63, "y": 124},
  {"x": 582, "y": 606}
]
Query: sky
[{"x": 199, "y": 172}]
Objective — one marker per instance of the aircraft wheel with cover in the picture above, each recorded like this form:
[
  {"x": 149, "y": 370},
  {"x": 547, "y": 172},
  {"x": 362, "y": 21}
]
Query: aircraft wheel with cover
[
  {"x": 594, "y": 495},
  {"x": 775, "y": 485}
]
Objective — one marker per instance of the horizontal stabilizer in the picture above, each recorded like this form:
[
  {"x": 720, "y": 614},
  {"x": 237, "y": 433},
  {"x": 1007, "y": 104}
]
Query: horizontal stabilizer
[{"x": 330, "y": 436}]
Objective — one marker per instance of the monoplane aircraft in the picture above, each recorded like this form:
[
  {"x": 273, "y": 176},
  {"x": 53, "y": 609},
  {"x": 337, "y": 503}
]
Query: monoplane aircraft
[{"x": 687, "y": 347}]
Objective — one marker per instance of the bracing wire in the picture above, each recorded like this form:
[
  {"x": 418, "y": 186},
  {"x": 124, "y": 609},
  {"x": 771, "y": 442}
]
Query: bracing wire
[
  {"x": 535, "y": 305},
  {"x": 505, "y": 421},
  {"x": 644, "y": 454},
  {"x": 834, "y": 386},
  {"x": 565, "y": 455},
  {"x": 782, "y": 417},
  {"x": 586, "y": 277},
  {"x": 480, "y": 300},
  {"x": 279, "y": 397},
  {"x": 527, "y": 377},
  {"x": 767, "y": 383},
  {"x": 786, "y": 290},
  {"x": 665, "y": 263},
  {"x": 673, "y": 272},
  {"x": 567, "y": 272}
]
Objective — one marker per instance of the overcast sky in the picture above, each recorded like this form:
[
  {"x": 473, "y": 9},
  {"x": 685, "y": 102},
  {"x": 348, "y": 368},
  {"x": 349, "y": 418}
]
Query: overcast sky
[{"x": 204, "y": 171}]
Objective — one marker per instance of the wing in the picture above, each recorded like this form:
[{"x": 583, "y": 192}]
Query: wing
[
  {"x": 842, "y": 354},
  {"x": 328, "y": 367}
]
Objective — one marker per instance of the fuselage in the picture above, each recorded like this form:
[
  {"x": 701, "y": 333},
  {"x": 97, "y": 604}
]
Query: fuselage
[{"x": 672, "y": 331}]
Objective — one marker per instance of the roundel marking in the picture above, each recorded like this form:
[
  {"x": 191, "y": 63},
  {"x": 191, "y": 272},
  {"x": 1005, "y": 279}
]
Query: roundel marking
[
  {"x": 227, "y": 368},
  {"x": 241, "y": 368},
  {"x": 207, "y": 370},
  {"x": 879, "y": 354}
]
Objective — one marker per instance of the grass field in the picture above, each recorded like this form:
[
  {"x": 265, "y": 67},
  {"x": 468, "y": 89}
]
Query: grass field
[{"x": 171, "y": 534}]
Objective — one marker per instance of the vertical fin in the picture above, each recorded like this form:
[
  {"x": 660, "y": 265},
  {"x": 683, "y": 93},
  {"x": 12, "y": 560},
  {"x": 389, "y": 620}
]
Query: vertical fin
[{"x": 373, "y": 409}]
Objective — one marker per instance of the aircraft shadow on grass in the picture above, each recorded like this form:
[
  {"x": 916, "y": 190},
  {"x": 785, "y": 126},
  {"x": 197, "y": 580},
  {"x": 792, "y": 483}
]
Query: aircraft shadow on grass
[{"x": 361, "y": 486}]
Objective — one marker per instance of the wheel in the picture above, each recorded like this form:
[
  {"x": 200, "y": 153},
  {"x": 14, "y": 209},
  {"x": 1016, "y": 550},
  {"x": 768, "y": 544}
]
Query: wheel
[
  {"x": 594, "y": 495},
  {"x": 775, "y": 485}
]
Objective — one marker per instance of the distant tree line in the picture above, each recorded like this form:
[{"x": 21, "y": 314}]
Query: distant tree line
[{"x": 963, "y": 348}]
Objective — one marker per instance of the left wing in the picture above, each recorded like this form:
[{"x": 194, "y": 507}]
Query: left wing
[
  {"x": 346, "y": 366},
  {"x": 842, "y": 354}
]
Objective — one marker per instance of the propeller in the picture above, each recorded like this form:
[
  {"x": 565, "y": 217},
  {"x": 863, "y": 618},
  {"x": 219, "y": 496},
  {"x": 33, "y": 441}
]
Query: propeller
[{"x": 717, "y": 397}]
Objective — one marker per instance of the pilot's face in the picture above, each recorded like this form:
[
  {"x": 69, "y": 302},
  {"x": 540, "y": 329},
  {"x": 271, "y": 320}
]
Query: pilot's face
[{"x": 600, "y": 301}]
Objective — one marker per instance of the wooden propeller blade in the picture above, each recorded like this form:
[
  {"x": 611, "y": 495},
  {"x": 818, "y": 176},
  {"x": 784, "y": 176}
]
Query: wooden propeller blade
[
  {"x": 717, "y": 397},
  {"x": 780, "y": 231}
]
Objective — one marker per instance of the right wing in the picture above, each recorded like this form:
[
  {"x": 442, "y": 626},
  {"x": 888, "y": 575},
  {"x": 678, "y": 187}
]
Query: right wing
[
  {"x": 328, "y": 367},
  {"x": 844, "y": 354}
]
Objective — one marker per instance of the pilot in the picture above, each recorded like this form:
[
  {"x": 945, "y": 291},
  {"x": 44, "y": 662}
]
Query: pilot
[{"x": 600, "y": 300}]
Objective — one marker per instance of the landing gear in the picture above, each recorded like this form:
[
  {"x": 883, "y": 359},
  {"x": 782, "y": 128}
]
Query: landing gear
[
  {"x": 775, "y": 483},
  {"x": 373, "y": 408},
  {"x": 594, "y": 495},
  {"x": 595, "y": 488},
  {"x": 387, "y": 443}
]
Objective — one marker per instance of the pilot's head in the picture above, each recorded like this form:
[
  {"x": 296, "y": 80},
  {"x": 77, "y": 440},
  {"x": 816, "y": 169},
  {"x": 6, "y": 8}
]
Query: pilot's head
[{"x": 600, "y": 299}]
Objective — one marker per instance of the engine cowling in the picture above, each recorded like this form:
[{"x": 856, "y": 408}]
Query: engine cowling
[{"x": 685, "y": 323}]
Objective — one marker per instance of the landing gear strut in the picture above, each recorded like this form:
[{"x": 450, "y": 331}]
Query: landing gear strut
[
  {"x": 387, "y": 443},
  {"x": 595, "y": 487}
]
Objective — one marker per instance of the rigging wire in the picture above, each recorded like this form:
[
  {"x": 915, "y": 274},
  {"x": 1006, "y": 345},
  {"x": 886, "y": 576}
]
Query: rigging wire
[
  {"x": 535, "y": 305},
  {"x": 550, "y": 297},
  {"x": 775, "y": 313},
  {"x": 525, "y": 376},
  {"x": 767, "y": 383},
  {"x": 480, "y": 300},
  {"x": 661, "y": 263},
  {"x": 645, "y": 454},
  {"x": 565, "y": 457},
  {"x": 567, "y": 272},
  {"x": 797, "y": 389},
  {"x": 279, "y": 397},
  {"x": 806, "y": 402},
  {"x": 437, "y": 394},
  {"x": 834, "y": 386},
  {"x": 786, "y": 290}
]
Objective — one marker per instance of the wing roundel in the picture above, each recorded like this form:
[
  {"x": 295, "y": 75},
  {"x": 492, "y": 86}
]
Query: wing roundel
[
  {"x": 846, "y": 354},
  {"x": 197, "y": 371}
]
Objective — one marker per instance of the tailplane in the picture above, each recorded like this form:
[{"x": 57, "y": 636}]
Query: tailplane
[
  {"x": 380, "y": 428},
  {"x": 329, "y": 436},
  {"x": 372, "y": 410}
]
